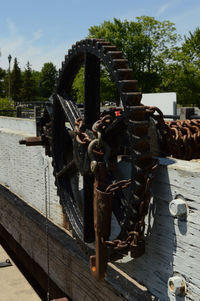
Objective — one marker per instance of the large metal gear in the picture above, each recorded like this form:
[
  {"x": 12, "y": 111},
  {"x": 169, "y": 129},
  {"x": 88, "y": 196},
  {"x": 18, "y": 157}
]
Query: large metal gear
[
  {"x": 88, "y": 153},
  {"x": 65, "y": 159},
  {"x": 102, "y": 161},
  {"x": 71, "y": 158}
]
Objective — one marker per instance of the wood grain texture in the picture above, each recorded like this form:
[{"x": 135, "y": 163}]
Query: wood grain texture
[
  {"x": 172, "y": 245},
  {"x": 69, "y": 266}
]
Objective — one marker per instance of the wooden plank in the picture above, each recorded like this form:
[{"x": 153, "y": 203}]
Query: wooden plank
[{"x": 68, "y": 264}]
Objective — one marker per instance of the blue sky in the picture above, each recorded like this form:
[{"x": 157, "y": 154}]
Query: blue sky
[{"x": 43, "y": 31}]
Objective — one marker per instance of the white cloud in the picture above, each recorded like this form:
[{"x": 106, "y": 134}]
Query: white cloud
[
  {"x": 168, "y": 5},
  {"x": 25, "y": 50},
  {"x": 11, "y": 25},
  {"x": 28, "y": 50},
  {"x": 163, "y": 8},
  {"x": 37, "y": 35}
]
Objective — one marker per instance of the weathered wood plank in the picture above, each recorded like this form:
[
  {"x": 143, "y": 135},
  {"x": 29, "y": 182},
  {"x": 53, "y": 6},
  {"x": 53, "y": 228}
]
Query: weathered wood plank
[{"x": 69, "y": 267}]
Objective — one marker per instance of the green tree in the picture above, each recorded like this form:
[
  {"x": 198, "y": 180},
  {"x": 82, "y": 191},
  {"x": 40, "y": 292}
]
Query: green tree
[
  {"x": 48, "y": 79},
  {"x": 108, "y": 90},
  {"x": 191, "y": 47},
  {"x": 28, "y": 85},
  {"x": 16, "y": 82},
  {"x": 78, "y": 86},
  {"x": 182, "y": 75},
  {"x": 36, "y": 77},
  {"x": 146, "y": 43},
  {"x": 5, "y": 104}
]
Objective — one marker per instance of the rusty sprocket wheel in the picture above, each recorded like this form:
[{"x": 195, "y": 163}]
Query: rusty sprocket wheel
[{"x": 77, "y": 202}]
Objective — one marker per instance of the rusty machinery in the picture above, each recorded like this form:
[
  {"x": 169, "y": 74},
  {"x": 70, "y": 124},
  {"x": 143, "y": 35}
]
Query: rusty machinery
[{"x": 89, "y": 153}]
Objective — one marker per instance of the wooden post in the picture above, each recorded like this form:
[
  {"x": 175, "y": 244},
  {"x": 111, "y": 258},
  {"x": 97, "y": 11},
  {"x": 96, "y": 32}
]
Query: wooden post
[
  {"x": 36, "y": 112},
  {"x": 186, "y": 112},
  {"x": 19, "y": 111}
]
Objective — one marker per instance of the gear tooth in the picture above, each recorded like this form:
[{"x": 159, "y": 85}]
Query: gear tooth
[
  {"x": 78, "y": 43},
  {"x": 132, "y": 98},
  {"x": 115, "y": 54},
  {"x": 107, "y": 48},
  {"x": 101, "y": 44},
  {"x": 128, "y": 85},
  {"x": 70, "y": 53},
  {"x": 124, "y": 74},
  {"x": 119, "y": 63},
  {"x": 94, "y": 41}
]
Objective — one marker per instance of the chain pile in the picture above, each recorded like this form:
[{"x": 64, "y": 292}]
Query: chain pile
[
  {"x": 180, "y": 138},
  {"x": 185, "y": 138}
]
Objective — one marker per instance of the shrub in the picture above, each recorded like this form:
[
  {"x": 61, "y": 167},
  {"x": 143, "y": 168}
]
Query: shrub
[{"x": 5, "y": 106}]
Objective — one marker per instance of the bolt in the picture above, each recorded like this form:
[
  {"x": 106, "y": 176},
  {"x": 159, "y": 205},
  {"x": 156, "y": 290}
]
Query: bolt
[
  {"x": 176, "y": 285},
  {"x": 178, "y": 208}
]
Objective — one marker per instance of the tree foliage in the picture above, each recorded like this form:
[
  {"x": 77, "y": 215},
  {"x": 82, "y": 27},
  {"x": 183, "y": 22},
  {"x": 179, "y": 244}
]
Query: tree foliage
[
  {"x": 146, "y": 43},
  {"x": 47, "y": 79},
  {"x": 182, "y": 75},
  {"x": 16, "y": 82},
  {"x": 159, "y": 62},
  {"x": 108, "y": 90},
  {"x": 191, "y": 47},
  {"x": 5, "y": 104},
  {"x": 28, "y": 87}
]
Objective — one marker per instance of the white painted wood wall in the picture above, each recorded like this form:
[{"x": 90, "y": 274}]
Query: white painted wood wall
[
  {"x": 172, "y": 244},
  {"x": 23, "y": 168}
]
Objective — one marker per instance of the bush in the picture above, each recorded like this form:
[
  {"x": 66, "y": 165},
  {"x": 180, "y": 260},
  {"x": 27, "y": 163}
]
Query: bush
[{"x": 5, "y": 106}]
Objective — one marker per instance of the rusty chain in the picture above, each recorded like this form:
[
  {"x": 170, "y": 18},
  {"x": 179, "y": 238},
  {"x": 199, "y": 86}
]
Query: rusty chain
[
  {"x": 81, "y": 135},
  {"x": 137, "y": 233},
  {"x": 181, "y": 138},
  {"x": 183, "y": 141}
]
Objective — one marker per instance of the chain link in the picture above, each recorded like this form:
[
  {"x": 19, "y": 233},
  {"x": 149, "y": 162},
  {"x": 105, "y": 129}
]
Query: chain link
[
  {"x": 81, "y": 135},
  {"x": 118, "y": 185},
  {"x": 181, "y": 138}
]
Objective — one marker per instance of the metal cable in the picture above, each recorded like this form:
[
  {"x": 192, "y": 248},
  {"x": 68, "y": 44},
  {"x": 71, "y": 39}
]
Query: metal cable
[{"x": 47, "y": 199}]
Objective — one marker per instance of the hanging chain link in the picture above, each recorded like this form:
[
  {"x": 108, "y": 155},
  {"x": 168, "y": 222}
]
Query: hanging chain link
[{"x": 137, "y": 234}]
